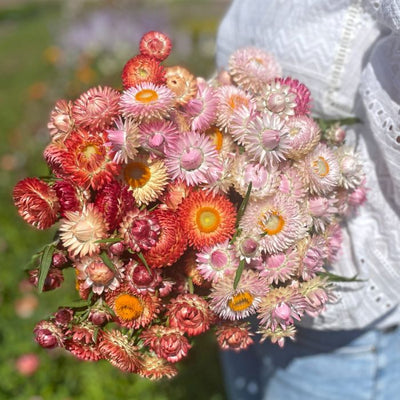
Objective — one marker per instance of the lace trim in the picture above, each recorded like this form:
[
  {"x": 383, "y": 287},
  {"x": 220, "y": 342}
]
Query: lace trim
[{"x": 353, "y": 14}]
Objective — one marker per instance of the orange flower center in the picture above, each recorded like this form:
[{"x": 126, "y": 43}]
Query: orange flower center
[
  {"x": 321, "y": 167},
  {"x": 236, "y": 101},
  {"x": 240, "y": 301},
  {"x": 146, "y": 96},
  {"x": 137, "y": 174},
  {"x": 273, "y": 224},
  {"x": 128, "y": 307},
  {"x": 207, "y": 219},
  {"x": 217, "y": 137}
]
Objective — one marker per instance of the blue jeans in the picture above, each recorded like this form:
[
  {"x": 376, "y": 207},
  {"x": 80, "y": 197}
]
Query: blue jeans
[{"x": 319, "y": 365}]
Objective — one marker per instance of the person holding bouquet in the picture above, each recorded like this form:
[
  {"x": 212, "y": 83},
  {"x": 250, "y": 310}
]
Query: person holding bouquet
[{"x": 347, "y": 53}]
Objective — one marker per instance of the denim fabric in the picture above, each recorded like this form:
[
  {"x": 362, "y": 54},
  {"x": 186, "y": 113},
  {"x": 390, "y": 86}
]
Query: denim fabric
[{"x": 319, "y": 365}]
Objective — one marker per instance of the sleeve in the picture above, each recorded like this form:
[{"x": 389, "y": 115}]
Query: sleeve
[{"x": 380, "y": 96}]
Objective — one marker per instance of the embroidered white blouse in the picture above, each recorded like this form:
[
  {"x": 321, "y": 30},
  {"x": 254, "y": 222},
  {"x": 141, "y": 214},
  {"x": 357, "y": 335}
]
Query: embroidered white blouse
[{"x": 348, "y": 54}]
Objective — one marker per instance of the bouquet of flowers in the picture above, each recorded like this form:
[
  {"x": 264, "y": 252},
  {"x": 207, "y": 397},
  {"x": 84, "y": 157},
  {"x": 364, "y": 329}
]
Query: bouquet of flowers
[{"x": 186, "y": 205}]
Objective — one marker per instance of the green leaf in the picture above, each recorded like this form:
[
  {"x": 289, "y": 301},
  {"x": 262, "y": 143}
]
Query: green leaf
[
  {"x": 108, "y": 262},
  {"x": 143, "y": 260},
  {"x": 109, "y": 240},
  {"x": 191, "y": 287},
  {"x": 338, "y": 278},
  {"x": 238, "y": 274},
  {"x": 45, "y": 264},
  {"x": 243, "y": 205},
  {"x": 77, "y": 304}
]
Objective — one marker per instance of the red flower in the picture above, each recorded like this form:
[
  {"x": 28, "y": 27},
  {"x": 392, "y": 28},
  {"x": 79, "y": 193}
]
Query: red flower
[
  {"x": 232, "y": 336},
  {"x": 37, "y": 202},
  {"x": 167, "y": 343},
  {"x": 140, "y": 69},
  {"x": 87, "y": 160},
  {"x": 114, "y": 200},
  {"x": 119, "y": 351},
  {"x": 155, "y": 44},
  {"x": 171, "y": 242},
  {"x": 190, "y": 314},
  {"x": 48, "y": 335}
]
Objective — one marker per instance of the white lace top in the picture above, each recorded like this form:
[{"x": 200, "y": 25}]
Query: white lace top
[{"x": 348, "y": 54}]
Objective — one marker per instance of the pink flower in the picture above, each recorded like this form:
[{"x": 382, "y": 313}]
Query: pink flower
[
  {"x": 252, "y": 68},
  {"x": 139, "y": 230},
  {"x": 97, "y": 108},
  {"x": 193, "y": 159},
  {"x": 303, "y": 94}
]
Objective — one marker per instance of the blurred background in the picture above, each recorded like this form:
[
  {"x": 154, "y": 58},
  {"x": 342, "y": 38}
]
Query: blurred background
[{"x": 53, "y": 49}]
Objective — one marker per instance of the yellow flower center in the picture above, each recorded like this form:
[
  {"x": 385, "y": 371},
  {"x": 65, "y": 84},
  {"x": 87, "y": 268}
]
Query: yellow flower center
[
  {"x": 146, "y": 96},
  {"x": 294, "y": 131},
  {"x": 137, "y": 174},
  {"x": 128, "y": 307},
  {"x": 240, "y": 301},
  {"x": 207, "y": 219},
  {"x": 90, "y": 150},
  {"x": 321, "y": 167},
  {"x": 273, "y": 224}
]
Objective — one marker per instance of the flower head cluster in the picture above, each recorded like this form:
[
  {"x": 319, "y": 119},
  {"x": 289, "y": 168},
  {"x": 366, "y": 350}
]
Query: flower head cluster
[{"x": 184, "y": 205}]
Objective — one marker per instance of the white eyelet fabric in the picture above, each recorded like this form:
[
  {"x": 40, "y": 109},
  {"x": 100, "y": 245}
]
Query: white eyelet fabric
[{"x": 348, "y": 54}]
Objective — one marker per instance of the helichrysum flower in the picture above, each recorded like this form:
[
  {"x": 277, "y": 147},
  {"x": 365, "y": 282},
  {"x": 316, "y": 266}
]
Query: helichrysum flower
[
  {"x": 132, "y": 310},
  {"x": 279, "y": 267},
  {"x": 234, "y": 336},
  {"x": 279, "y": 99},
  {"x": 182, "y": 83},
  {"x": 207, "y": 219},
  {"x": 37, "y": 202},
  {"x": 155, "y": 368},
  {"x": 278, "y": 221},
  {"x": 171, "y": 242},
  {"x": 120, "y": 351},
  {"x": 202, "y": 109},
  {"x": 168, "y": 343},
  {"x": 61, "y": 122},
  {"x": 193, "y": 159},
  {"x": 266, "y": 141},
  {"x": 264, "y": 179},
  {"x": 139, "y": 230},
  {"x": 280, "y": 307},
  {"x": 87, "y": 160},
  {"x": 252, "y": 68},
  {"x": 98, "y": 276},
  {"x": 320, "y": 170},
  {"x": 124, "y": 140},
  {"x": 157, "y": 136},
  {"x": 155, "y": 44},
  {"x": 303, "y": 94},
  {"x": 190, "y": 314},
  {"x": 233, "y": 304},
  {"x": 146, "y": 101},
  {"x": 146, "y": 178},
  {"x": 304, "y": 135},
  {"x": 142, "y": 69},
  {"x": 97, "y": 108},
  {"x": 350, "y": 167},
  {"x": 81, "y": 230},
  {"x": 214, "y": 262},
  {"x": 230, "y": 99}
]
